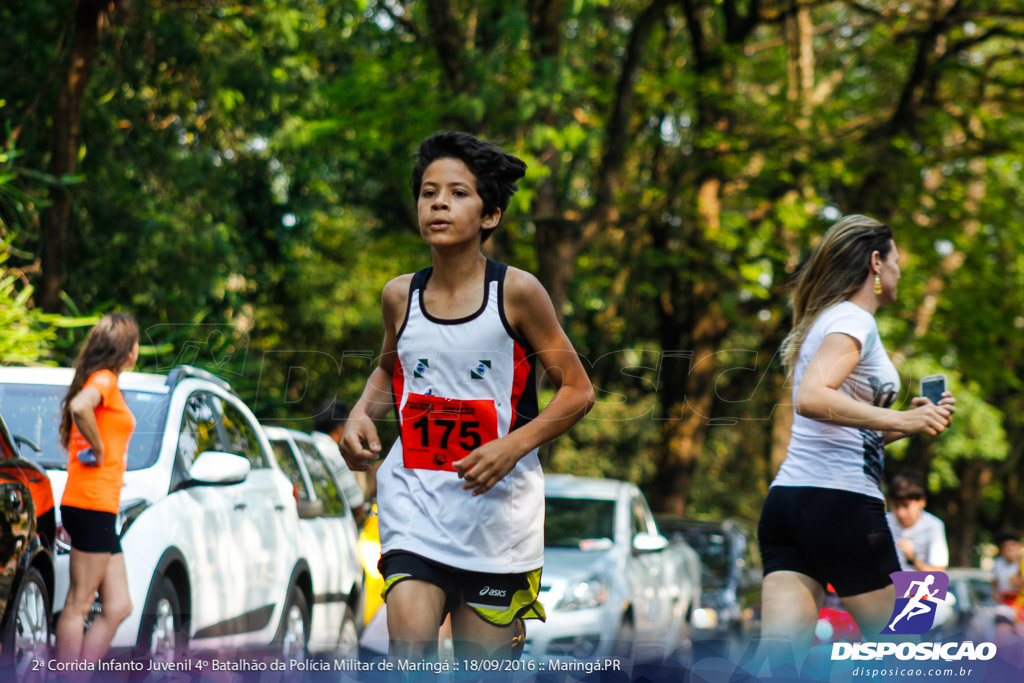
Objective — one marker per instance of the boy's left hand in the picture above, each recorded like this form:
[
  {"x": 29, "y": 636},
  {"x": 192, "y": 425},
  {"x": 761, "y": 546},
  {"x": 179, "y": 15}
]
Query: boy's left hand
[{"x": 484, "y": 467}]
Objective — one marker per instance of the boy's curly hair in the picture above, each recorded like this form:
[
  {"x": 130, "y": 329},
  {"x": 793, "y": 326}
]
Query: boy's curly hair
[{"x": 496, "y": 171}]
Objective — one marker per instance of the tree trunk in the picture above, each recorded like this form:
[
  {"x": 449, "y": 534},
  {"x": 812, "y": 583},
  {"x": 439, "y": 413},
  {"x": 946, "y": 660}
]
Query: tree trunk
[
  {"x": 64, "y": 153},
  {"x": 686, "y": 387}
]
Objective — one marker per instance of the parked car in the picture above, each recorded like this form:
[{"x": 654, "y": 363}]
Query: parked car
[
  {"x": 26, "y": 559},
  {"x": 201, "y": 492},
  {"x": 611, "y": 584},
  {"x": 730, "y": 580},
  {"x": 974, "y": 610},
  {"x": 329, "y": 536},
  {"x": 834, "y": 623}
]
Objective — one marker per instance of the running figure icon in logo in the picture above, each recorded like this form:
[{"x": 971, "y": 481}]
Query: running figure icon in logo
[{"x": 921, "y": 592}]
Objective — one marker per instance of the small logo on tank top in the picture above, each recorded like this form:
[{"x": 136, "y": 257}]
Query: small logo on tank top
[
  {"x": 479, "y": 370},
  {"x": 422, "y": 365},
  {"x": 492, "y": 592}
]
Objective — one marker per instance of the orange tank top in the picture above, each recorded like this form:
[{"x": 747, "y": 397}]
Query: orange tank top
[{"x": 99, "y": 488}]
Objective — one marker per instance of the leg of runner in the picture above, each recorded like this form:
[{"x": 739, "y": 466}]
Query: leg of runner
[
  {"x": 790, "y": 603},
  {"x": 117, "y": 605},
  {"x": 87, "y": 571},
  {"x": 494, "y": 641},
  {"x": 871, "y": 610},
  {"x": 415, "y": 612}
]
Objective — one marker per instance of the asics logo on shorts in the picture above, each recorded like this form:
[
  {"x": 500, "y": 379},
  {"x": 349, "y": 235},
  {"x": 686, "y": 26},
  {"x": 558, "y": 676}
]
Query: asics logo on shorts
[{"x": 493, "y": 592}]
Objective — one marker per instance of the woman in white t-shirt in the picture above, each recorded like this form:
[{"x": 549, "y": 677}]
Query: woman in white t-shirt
[{"x": 824, "y": 518}]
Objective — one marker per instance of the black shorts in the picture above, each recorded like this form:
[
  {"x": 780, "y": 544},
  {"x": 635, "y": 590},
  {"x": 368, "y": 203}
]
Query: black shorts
[
  {"x": 91, "y": 531},
  {"x": 497, "y": 598},
  {"x": 830, "y": 535}
]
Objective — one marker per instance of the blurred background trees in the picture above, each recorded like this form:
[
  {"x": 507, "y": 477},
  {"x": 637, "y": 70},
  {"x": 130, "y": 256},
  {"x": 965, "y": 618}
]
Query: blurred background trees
[{"x": 236, "y": 176}]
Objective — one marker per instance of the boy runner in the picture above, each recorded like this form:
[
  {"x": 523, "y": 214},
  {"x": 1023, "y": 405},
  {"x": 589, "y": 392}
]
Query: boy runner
[{"x": 461, "y": 494}]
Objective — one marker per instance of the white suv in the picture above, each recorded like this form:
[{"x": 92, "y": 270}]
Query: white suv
[
  {"x": 208, "y": 521},
  {"x": 329, "y": 534}
]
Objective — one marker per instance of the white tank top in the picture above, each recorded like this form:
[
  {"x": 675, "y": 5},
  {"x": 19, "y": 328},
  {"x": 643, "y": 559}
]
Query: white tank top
[{"x": 457, "y": 384}]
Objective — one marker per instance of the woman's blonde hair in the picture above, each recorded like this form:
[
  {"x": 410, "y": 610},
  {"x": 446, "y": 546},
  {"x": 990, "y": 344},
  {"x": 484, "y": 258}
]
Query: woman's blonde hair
[
  {"x": 835, "y": 270},
  {"x": 108, "y": 347}
]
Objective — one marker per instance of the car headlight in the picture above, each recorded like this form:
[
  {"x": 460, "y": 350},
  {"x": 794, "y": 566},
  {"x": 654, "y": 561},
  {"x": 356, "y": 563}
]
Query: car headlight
[
  {"x": 587, "y": 594},
  {"x": 369, "y": 553},
  {"x": 129, "y": 512},
  {"x": 705, "y": 617}
]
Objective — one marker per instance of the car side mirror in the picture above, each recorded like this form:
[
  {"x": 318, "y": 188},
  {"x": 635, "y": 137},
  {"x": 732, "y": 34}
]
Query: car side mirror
[
  {"x": 645, "y": 542},
  {"x": 310, "y": 509},
  {"x": 216, "y": 467},
  {"x": 22, "y": 441}
]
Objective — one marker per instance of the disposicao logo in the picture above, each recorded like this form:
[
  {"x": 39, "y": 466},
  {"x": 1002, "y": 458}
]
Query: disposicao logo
[
  {"x": 947, "y": 652},
  {"x": 914, "y": 613}
]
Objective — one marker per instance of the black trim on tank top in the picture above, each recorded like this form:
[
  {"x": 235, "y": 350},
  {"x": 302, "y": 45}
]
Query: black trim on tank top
[
  {"x": 502, "y": 271},
  {"x": 490, "y": 274},
  {"x": 418, "y": 280},
  {"x": 527, "y": 408}
]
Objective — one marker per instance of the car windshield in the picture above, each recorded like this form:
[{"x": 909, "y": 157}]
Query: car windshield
[
  {"x": 33, "y": 411},
  {"x": 713, "y": 548},
  {"x": 568, "y": 522}
]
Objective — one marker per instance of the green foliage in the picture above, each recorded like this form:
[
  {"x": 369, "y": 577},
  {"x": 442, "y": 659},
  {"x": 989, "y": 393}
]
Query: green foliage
[
  {"x": 243, "y": 191},
  {"x": 25, "y": 339},
  {"x": 977, "y": 432},
  {"x": 612, "y": 441}
]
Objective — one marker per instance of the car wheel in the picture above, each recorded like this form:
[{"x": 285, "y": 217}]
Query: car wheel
[
  {"x": 625, "y": 639},
  {"x": 28, "y": 636},
  {"x": 348, "y": 638},
  {"x": 293, "y": 633},
  {"x": 163, "y": 636}
]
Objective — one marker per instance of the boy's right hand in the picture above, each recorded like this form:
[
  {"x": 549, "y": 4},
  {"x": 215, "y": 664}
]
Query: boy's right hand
[{"x": 359, "y": 429}]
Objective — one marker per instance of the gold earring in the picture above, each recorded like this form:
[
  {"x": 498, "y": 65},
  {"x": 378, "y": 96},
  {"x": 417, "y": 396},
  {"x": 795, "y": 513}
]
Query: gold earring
[{"x": 878, "y": 285}]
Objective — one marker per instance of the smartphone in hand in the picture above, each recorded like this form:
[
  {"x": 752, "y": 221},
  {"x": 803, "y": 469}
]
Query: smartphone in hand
[
  {"x": 87, "y": 456},
  {"x": 932, "y": 387}
]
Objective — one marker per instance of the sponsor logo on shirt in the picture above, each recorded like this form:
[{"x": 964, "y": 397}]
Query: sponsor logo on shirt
[{"x": 493, "y": 592}]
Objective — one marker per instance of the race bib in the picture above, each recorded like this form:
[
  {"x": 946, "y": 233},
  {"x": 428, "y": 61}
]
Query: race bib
[{"x": 438, "y": 431}]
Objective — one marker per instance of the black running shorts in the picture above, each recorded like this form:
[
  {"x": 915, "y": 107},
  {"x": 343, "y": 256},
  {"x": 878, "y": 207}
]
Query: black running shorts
[
  {"x": 833, "y": 536},
  {"x": 497, "y": 598},
  {"x": 91, "y": 531}
]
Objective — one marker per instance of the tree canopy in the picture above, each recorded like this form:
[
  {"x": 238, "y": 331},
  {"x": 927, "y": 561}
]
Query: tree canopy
[{"x": 236, "y": 176}]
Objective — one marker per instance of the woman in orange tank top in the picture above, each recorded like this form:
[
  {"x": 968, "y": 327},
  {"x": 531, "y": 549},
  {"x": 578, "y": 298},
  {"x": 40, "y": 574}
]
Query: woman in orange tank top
[{"x": 96, "y": 426}]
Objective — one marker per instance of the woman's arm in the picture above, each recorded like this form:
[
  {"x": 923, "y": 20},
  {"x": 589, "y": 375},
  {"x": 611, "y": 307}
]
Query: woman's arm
[
  {"x": 529, "y": 311},
  {"x": 376, "y": 400},
  {"x": 83, "y": 414},
  {"x": 946, "y": 400},
  {"x": 818, "y": 396}
]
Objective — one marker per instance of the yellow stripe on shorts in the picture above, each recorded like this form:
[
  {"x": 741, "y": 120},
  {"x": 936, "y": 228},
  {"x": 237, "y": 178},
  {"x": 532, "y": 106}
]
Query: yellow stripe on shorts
[
  {"x": 391, "y": 581},
  {"x": 524, "y": 604}
]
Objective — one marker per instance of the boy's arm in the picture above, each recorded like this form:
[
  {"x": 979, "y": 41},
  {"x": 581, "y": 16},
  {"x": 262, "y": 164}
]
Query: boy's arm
[
  {"x": 529, "y": 312},
  {"x": 376, "y": 400}
]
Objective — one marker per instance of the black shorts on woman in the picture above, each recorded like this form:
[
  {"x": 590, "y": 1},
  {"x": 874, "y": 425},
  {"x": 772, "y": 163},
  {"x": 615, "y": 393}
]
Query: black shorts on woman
[
  {"x": 830, "y": 535},
  {"x": 91, "y": 531}
]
